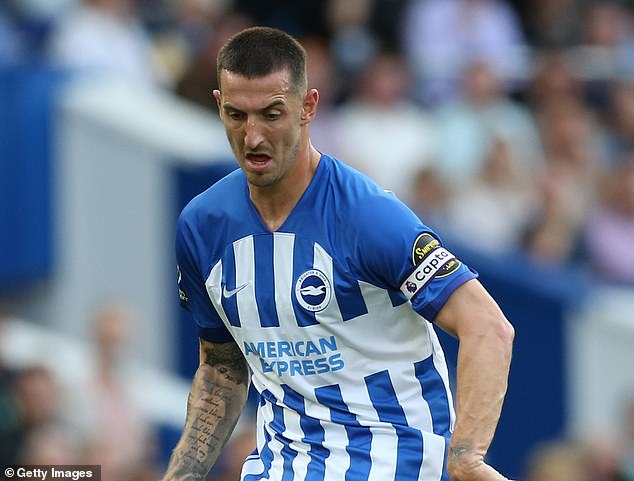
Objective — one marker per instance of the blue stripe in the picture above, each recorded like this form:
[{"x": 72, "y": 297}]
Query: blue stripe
[
  {"x": 288, "y": 454},
  {"x": 349, "y": 297},
  {"x": 445, "y": 476},
  {"x": 313, "y": 435},
  {"x": 434, "y": 394},
  {"x": 265, "y": 280},
  {"x": 230, "y": 304},
  {"x": 409, "y": 451},
  {"x": 397, "y": 297},
  {"x": 303, "y": 258},
  {"x": 359, "y": 437}
]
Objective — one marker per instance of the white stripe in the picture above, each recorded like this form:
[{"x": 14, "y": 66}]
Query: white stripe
[
  {"x": 433, "y": 457},
  {"x": 283, "y": 249},
  {"x": 410, "y": 397},
  {"x": 244, "y": 254},
  {"x": 252, "y": 465},
  {"x": 277, "y": 464},
  {"x": 214, "y": 291},
  {"x": 294, "y": 431},
  {"x": 335, "y": 440},
  {"x": 323, "y": 262},
  {"x": 384, "y": 440},
  {"x": 418, "y": 414},
  {"x": 425, "y": 271}
]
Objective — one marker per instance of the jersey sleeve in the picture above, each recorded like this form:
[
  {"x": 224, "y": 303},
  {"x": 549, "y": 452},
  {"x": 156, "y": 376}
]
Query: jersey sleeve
[
  {"x": 404, "y": 255},
  {"x": 191, "y": 286}
]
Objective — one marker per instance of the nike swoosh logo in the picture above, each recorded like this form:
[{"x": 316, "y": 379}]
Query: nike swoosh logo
[{"x": 233, "y": 292}]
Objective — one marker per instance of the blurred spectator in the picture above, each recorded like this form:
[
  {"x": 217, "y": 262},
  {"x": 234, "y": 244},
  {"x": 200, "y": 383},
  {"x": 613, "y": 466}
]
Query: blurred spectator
[
  {"x": 571, "y": 138},
  {"x": 469, "y": 125},
  {"x": 353, "y": 44},
  {"x": 608, "y": 40},
  {"x": 609, "y": 232},
  {"x": 602, "y": 458},
  {"x": 52, "y": 445},
  {"x": 620, "y": 122},
  {"x": 118, "y": 437},
  {"x": 552, "y": 23},
  {"x": 626, "y": 467},
  {"x": 107, "y": 37},
  {"x": 190, "y": 25},
  {"x": 441, "y": 38},
  {"x": 497, "y": 206},
  {"x": 429, "y": 197},
  {"x": 568, "y": 186},
  {"x": 384, "y": 134},
  {"x": 387, "y": 22},
  {"x": 300, "y": 19},
  {"x": 199, "y": 79},
  {"x": 324, "y": 131},
  {"x": 555, "y": 80},
  {"x": 558, "y": 461},
  {"x": 198, "y": 19},
  {"x": 33, "y": 404},
  {"x": 607, "y": 49},
  {"x": 552, "y": 236}
]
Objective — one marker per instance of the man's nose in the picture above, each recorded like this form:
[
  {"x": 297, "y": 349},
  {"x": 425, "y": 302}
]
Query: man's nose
[{"x": 253, "y": 136}]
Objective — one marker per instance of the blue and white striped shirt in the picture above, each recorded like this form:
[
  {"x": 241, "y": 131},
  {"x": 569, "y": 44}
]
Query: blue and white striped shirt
[{"x": 330, "y": 312}]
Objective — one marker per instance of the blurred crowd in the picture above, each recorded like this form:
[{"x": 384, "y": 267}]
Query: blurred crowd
[
  {"x": 514, "y": 120},
  {"x": 47, "y": 418},
  {"x": 510, "y": 119}
]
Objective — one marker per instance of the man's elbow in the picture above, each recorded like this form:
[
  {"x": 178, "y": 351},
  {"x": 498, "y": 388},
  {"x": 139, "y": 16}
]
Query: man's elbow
[{"x": 505, "y": 333}]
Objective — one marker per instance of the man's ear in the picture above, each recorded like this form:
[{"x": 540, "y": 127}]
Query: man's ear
[
  {"x": 309, "y": 109},
  {"x": 218, "y": 97}
]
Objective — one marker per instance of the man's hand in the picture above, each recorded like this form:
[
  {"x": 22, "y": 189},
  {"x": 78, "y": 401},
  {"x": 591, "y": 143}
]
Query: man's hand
[{"x": 463, "y": 464}]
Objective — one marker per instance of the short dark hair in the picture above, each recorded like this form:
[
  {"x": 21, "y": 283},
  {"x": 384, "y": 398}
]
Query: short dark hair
[{"x": 258, "y": 51}]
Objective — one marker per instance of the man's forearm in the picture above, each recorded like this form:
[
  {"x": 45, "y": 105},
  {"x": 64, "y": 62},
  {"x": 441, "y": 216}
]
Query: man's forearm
[
  {"x": 213, "y": 408},
  {"x": 483, "y": 365}
]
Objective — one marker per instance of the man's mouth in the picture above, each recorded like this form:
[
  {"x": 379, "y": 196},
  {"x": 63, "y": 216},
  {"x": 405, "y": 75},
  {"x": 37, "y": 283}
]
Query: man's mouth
[{"x": 258, "y": 161}]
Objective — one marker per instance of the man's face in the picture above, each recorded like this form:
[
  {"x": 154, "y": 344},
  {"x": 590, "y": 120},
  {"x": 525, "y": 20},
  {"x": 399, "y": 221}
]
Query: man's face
[{"x": 263, "y": 118}]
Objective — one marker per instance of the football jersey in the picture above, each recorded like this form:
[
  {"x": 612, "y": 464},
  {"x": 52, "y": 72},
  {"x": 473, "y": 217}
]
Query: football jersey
[{"x": 332, "y": 313}]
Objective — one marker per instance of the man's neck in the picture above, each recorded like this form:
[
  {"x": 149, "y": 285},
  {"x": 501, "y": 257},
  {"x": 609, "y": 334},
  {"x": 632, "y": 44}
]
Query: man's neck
[{"x": 274, "y": 204}]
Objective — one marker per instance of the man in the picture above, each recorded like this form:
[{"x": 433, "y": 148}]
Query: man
[{"x": 322, "y": 284}]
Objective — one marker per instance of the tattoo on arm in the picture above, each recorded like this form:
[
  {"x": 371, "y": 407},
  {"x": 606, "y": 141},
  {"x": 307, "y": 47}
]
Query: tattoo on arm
[
  {"x": 459, "y": 450},
  {"x": 216, "y": 399}
]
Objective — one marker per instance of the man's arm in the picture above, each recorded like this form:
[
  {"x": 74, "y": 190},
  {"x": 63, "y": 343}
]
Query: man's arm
[
  {"x": 216, "y": 399},
  {"x": 484, "y": 357}
]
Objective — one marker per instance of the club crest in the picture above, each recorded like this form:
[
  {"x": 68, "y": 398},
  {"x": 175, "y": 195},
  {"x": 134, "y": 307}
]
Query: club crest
[{"x": 313, "y": 290}]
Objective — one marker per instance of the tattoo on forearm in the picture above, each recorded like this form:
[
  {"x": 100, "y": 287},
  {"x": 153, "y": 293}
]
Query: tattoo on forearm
[
  {"x": 459, "y": 450},
  {"x": 213, "y": 407},
  {"x": 229, "y": 361}
]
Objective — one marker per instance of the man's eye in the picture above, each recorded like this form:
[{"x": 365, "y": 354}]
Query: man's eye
[
  {"x": 235, "y": 115},
  {"x": 272, "y": 115}
]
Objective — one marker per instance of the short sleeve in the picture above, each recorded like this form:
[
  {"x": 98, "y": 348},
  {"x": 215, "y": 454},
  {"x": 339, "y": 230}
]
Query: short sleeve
[
  {"x": 191, "y": 286},
  {"x": 404, "y": 255}
]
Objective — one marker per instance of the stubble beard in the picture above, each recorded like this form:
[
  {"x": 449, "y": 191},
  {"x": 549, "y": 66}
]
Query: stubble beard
[{"x": 280, "y": 169}]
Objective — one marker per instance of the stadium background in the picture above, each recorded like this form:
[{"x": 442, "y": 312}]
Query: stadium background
[{"x": 508, "y": 126}]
